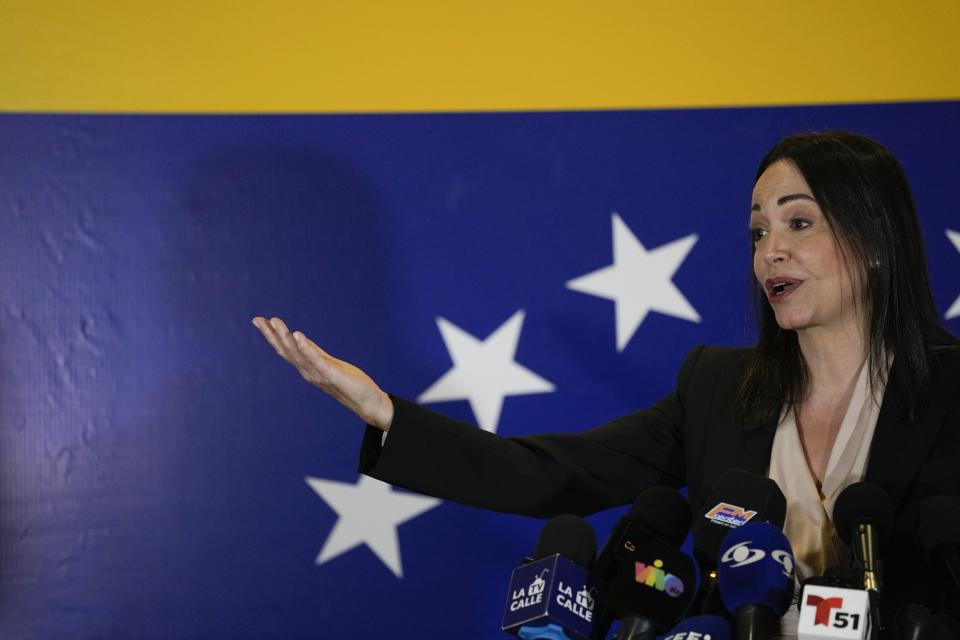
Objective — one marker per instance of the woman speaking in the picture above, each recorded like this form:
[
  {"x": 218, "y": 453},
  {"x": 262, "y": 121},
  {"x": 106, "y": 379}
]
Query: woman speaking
[{"x": 853, "y": 378}]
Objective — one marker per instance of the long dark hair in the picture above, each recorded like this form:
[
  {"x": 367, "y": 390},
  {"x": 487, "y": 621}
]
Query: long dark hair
[{"x": 864, "y": 195}]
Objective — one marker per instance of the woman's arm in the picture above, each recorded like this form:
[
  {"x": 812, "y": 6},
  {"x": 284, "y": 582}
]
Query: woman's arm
[{"x": 537, "y": 476}]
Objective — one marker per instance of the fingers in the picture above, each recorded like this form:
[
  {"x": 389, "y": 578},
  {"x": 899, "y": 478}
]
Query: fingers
[
  {"x": 283, "y": 334},
  {"x": 277, "y": 334},
  {"x": 310, "y": 350},
  {"x": 295, "y": 348},
  {"x": 267, "y": 330}
]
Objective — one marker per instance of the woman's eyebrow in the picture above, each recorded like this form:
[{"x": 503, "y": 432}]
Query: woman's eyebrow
[
  {"x": 795, "y": 196},
  {"x": 782, "y": 200}
]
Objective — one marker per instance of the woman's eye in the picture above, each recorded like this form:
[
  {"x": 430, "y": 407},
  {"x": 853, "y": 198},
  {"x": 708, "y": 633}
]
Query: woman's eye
[
  {"x": 799, "y": 223},
  {"x": 757, "y": 234}
]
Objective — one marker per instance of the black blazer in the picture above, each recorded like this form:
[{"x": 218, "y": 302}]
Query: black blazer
[{"x": 689, "y": 438}]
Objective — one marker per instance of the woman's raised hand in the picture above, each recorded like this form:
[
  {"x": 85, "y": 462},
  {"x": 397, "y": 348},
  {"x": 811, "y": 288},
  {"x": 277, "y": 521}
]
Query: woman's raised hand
[{"x": 349, "y": 385}]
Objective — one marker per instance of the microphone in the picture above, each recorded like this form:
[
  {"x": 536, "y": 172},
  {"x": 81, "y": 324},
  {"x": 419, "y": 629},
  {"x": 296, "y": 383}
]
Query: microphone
[
  {"x": 863, "y": 516},
  {"x": 914, "y": 622},
  {"x": 553, "y": 597},
  {"x": 659, "y": 513},
  {"x": 756, "y": 579},
  {"x": 909, "y": 620},
  {"x": 701, "y": 627},
  {"x": 949, "y": 623},
  {"x": 833, "y": 613},
  {"x": 938, "y": 532},
  {"x": 737, "y": 498},
  {"x": 838, "y": 576},
  {"x": 650, "y": 593}
]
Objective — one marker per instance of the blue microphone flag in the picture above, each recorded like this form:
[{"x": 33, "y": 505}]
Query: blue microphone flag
[{"x": 552, "y": 590}]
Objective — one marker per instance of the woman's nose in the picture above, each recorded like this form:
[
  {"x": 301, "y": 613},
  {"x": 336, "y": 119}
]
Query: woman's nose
[
  {"x": 776, "y": 249},
  {"x": 775, "y": 256}
]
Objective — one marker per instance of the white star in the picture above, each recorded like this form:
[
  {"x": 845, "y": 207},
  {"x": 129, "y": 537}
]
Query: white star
[
  {"x": 368, "y": 513},
  {"x": 954, "y": 309},
  {"x": 639, "y": 281},
  {"x": 484, "y": 372}
]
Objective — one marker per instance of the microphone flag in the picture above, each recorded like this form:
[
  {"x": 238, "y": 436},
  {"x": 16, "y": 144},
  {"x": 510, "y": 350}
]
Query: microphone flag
[
  {"x": 552, "y": 590},
  {"x": 833, "y": 613}
]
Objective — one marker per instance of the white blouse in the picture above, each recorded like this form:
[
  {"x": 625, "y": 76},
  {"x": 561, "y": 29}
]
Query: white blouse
[{"x": 808, "y": 525}]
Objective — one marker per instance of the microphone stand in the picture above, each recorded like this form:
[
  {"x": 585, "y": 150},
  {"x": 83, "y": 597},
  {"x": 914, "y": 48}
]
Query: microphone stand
[
  {"x": 867, "y": 559},
  {"x": 755, "y": 622},
  {"x": 636, "y": 628}
]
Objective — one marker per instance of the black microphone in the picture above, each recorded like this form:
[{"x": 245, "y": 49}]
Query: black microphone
[
  {"x": 914, "y": 622},
  {"x": 659, "y": 513},
  {"x": 650, "y": 594},
  {"x": 938, "y": 532},
  {"x": 840, "y": 576},
  {"x": 650, "y": 581},
  {"x": 950, "y": 623},
  {"x": 738, "y": 497},
  {"x": 909, "y": 619},
  {"x": 863, "y": 516},
  {"x": 571, "y": 536},
  {"x": 553, "y": 597}
]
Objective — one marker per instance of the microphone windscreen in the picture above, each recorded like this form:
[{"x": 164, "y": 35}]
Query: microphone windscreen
[
  {"x": 664, "y": 512},
  {"x": 863, "y": 503},
  {"x": 756, "y": 568},
  {"x": 938, "y": 521},
  {"x": 909, "y": 621},
  {"x": 705, "y": 627},
  {"x": 658, "y": 584},
  {"x": 948, "y": 622},
  {"x": 738, "y": 497},
  {"x": 841, "y": 576},
  {"x": 914, "y": 622},
  {"x": 571, "y": 537}
]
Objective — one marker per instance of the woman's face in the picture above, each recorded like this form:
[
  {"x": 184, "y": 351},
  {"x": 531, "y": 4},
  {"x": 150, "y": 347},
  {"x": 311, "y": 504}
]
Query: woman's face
[{"x": 796, "y": 259}]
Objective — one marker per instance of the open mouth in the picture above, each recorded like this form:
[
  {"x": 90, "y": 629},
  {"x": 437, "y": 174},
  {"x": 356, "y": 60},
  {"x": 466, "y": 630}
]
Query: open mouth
[{"x": 780, "y": 288}]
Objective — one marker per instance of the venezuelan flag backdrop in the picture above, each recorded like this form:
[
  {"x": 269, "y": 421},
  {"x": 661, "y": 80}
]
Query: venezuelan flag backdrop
[{"x": 432, "y": 190}]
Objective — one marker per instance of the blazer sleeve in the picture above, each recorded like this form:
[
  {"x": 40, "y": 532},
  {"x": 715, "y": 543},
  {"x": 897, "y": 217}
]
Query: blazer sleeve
[{"x": 539, "y": 476}]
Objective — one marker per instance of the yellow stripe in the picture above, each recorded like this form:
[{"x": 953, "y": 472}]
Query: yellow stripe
[{"x": 420, "y": 55}]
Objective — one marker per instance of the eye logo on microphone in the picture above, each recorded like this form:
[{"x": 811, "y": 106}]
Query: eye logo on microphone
[
  {"x": 740, "y": 554},
  {"x": 785, "y": 559}
]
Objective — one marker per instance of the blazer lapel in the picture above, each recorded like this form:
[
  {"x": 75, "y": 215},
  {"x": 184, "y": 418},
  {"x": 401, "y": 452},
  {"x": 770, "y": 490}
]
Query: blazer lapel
[
  {"x": 755, "y": 447},
  {"x": 900, "y": 446}
]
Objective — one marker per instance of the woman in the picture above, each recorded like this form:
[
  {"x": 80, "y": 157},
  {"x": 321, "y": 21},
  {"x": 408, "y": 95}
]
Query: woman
[{"x": 853, "y": 378}]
